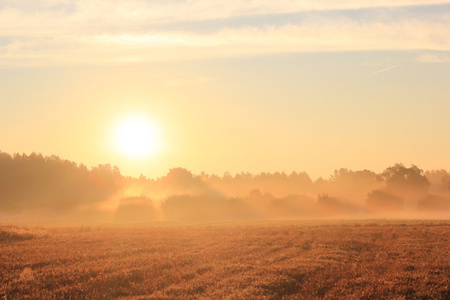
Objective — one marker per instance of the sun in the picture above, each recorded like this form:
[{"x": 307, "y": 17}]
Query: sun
[{"x": 136, "y": 137}]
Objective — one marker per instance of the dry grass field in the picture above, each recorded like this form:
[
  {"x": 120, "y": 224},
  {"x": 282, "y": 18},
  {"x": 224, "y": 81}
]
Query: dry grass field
[{"x": 259, "y": 260}]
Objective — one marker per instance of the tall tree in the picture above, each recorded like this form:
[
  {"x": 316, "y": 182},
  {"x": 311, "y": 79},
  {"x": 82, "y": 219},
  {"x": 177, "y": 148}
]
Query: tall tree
[{"x": 410, "y": 183}]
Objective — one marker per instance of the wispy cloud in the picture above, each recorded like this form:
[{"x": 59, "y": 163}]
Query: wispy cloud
[
  {"x": 434, "y": 58},
  {"x": 63, "y": 32},
  {"x": 182, "y": 10}
]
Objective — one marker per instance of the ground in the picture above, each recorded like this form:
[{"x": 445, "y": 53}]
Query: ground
[{"x": 352, "y": 259}]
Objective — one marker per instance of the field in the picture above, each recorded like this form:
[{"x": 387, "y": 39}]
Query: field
[{"x": 236, "y": 260}]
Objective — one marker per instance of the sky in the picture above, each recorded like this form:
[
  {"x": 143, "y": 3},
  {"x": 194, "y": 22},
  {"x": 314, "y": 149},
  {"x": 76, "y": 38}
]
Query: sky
[{"x": 229, "y": 86}]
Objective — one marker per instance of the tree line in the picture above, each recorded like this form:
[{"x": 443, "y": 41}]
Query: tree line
[{"x": 48, "y": 185}]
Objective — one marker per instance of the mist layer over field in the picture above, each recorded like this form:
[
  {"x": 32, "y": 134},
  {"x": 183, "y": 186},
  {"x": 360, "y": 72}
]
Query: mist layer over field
[{"x": 37, "y": 188}]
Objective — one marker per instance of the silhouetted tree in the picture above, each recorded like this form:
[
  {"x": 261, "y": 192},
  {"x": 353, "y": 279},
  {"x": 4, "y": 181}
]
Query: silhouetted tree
[
  {"x": 434, "y": 203},
  {"x": 194, "y": 207},
  {"x": 330, "y": 206},
  {"x": 381, "y": 201},
  {"x": 353, "y": 185},
  {"x": 292, "y": 206},
  {"x": 407, "y": 182},
  {"x": 132, "y": 209},
  {"x": 439, "y": 180},
  {"x": 182, "y": 181},
  {"x": 37, "y": 182}
]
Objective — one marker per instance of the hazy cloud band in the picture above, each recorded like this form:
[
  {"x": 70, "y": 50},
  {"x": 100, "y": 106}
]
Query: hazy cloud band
[{"x": 70, "y": 32}]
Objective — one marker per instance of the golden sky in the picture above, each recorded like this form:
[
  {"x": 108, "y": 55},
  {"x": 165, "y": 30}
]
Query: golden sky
[{"x": 228, "y": 85}]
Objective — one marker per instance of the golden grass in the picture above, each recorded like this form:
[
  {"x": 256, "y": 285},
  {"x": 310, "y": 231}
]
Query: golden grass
[{"x": 259, "y": 260}]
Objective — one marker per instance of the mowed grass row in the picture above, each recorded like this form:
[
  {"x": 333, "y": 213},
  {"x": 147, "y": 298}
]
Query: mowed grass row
[{"x": 408, "y": 260}]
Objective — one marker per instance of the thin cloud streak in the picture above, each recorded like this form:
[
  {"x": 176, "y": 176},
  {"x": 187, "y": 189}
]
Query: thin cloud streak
[
  {"x": 371, "y": 74},
  {"x": 376, "y": 72}
]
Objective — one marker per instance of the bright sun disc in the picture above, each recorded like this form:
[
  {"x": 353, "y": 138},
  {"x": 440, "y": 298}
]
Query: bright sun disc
[{"x": 136, "y": 137}]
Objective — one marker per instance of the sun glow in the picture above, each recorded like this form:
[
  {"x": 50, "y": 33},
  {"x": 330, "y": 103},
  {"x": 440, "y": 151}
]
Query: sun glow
[{"x": 136, "y": 137}]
